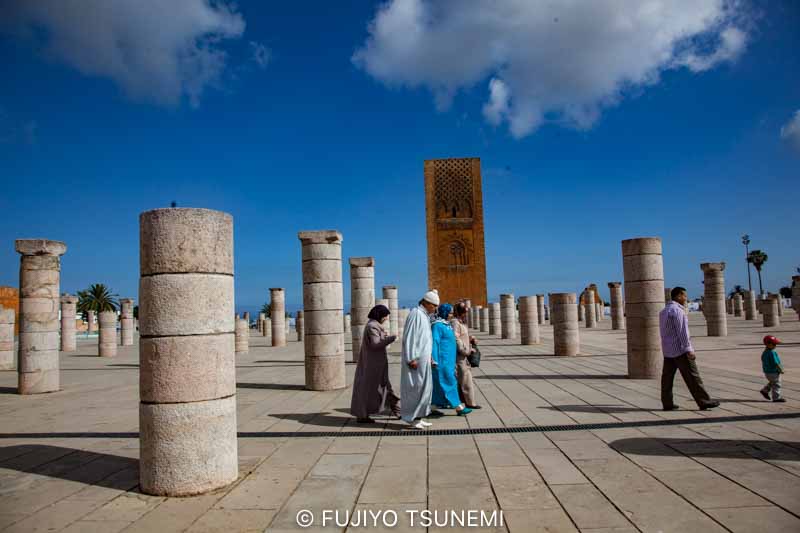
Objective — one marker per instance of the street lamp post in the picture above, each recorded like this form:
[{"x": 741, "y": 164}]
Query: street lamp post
[{"x": 746, "y": 242}]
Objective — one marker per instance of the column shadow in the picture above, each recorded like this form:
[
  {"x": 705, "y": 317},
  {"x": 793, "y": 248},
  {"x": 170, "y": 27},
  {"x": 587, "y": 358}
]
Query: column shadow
[
  {"x": 729, "y": 449},
  {"x": 271, "y": 386}
]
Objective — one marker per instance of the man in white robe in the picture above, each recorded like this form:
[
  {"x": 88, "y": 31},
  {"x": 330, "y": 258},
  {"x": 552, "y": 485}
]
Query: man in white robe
[{"x": 416, "y": 386}]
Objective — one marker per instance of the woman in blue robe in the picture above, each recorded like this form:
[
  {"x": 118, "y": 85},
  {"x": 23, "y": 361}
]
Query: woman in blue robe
[{"x": 445, "y": 384}]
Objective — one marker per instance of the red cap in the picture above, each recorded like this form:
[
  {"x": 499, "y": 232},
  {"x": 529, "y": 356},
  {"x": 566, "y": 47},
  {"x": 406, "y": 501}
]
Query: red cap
[{"x": 769, "y": 339}]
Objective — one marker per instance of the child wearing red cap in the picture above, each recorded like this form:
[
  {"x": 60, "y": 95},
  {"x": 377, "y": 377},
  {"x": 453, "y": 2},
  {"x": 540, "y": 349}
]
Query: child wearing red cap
[{"x": 771, "y": 364}]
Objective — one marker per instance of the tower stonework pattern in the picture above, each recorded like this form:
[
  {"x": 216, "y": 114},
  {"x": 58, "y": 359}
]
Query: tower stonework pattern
[{"x": 454, "y": 220}]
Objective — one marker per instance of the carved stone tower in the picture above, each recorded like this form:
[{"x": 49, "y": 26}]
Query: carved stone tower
[{"x": 454, "y": 216}]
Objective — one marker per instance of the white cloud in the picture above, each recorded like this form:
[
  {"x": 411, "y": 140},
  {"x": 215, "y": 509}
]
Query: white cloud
[
  {"x": 156, "y": 50},
  {"x": 545, "y": 60},
  {"x": 790, "y": 132},
  {"x": 261, "y": 54}
]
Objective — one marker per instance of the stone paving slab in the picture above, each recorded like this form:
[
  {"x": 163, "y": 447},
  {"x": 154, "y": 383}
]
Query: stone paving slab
[{"x": 69, "y": 459}]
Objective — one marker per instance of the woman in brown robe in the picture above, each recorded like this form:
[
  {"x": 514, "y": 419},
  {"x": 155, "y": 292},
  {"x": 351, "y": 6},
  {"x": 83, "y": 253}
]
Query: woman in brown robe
[
  {"x": 371, "y": 386},
  {"x": 464, "y": 347}
]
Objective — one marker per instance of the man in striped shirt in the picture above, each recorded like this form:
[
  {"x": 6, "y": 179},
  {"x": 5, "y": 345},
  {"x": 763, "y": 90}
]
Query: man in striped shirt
[{"x": 676, "y": 344}]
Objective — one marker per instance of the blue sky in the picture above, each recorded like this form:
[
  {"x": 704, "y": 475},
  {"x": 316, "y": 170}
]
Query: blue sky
[{"x": 320, "y": 117}]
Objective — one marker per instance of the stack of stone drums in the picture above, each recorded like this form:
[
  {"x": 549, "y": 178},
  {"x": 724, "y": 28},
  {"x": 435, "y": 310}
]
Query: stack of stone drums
[
  {"x": 643, "y": 270},
  {"x": 242, "y": 336},
  {"x": 714, "y": 303},
  {"x": 362, "y": 298},
  {"x": 508, "y": 316},
  {"x": 68, "y": 314},
  {"x": 528, "y": 320},
  {"x": 617, "y": 305},
  {"x": 107, "y": 340},
  {"x": 323, "y": 304},
  {"x": 187, "y": 382},
  {"x": 7, "y": 359},
  {"x": 39, "y": 282},
  {"x": 564, "y": 317},
  {"x": 126, "y": 321}
]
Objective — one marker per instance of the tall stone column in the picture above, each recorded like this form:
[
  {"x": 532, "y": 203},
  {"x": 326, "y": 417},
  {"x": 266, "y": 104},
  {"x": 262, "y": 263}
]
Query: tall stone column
[
  {"x": 107, "y": 340},
  {"x": 91, "y": 321},
  {"x": 187, "y": 380},
  {"x": 484, "y": 320},
  {"x": 242, "y": 336},
  {"x": 260, "y": 324},
  {"x": 769, "y": 312},
  {"x": 362, "y": 298},
  {"x": 299, "y": 325},
  {"x": 581, "y": 312},
  {"x": 390, "y": 294},
  {"x": 7, "y": 359},
  {"x": 39, "y": 280},
  {"x": 750, "y": 311},
  {"x": 68, "y": 314},
  {"x": 540, "y": 308},
  {"x": 598, "y": 312},
  {"x": 643, "y": 270},
  {"x": 494, "y": 319},
  {"x": 528, "y": 320},
  {"x": 714, "y": 299},
  {"x": 737, "y": 304},
  {"x": 323, "y": 305},
  {"x": 277, "y": 311},
  {"x": 779, "y": 299},
  {"x": 508, "y": 316},
  {"x": 126, "y": 321},
  {"x": 476, "y": 318},
  {"x": 589, "y": 309},
  {"x": 267, "y": 330},
  {"x": 564, "y": 317},
  {"x": 617, "y": 305}
]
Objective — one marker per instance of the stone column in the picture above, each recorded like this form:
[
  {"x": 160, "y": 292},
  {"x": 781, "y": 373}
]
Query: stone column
[
  {"x": 617, "y": 305},
  {"x": 643, "y": 270},
  {"x": 382, "y": 301},
  {"x": 750, "y": 305},
  {"x": 469, "y": 312},
  {"x": 769, "y": 312},
  {"x": 187, "y": 380},
  {"x": 401, "y": 322},
  {"x": 779, "y": 299},
  {"x": 589, "y": 309},
  {"x": 529, "y": 320},
  {"x": 598, "y": 312},
  {"x": 68, "y": 314},
  {"x": 242, "y": 336},
  {"x": 266, "y": 326},
  {"x": 362, "y": 297},
  {"x": 246, "y": 318},
  {"x": 714, "y": 299},
  {"x": 564, "y": 309},
  {"x": 581, "y": 312},
  {"x": 484, "y": 320},
  {"x": 346, "y": 324},
  {"x": 494, "y": 319},
  {"x": 126, "y": 321},
  {"x": 277, "y": 311},
  {"x": 737, "y": 304},
  {"x": 299, "y": 326},
  {"x": 91, "y": 321},
  {"x": 390, "y": 294},
  {"x": 323, "y": 305},
  {"x": 107, "y": 340},
  {"x": 7, "y": 359},
  {"x": 39, "y": 279},
  {"x": 540, "y": 308},
  {"x": 508, "y": 316},
  {"x": 260, "y": 324},
  {"x": 729, "y": 305}
]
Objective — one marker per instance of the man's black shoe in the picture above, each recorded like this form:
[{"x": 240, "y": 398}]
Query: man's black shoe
[
  {"x": 672, "y": 408},
  {"x": 710, "y": 405},
  {"x": 780, "y": 400}
]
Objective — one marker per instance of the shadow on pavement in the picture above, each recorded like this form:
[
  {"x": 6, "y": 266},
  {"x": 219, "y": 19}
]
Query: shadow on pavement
[
  {"x": 270, "y": 386},
  {"x": 732, "y": 449}
]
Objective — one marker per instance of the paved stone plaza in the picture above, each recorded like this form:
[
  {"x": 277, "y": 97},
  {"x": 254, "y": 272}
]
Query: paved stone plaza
[{"x": 69, "y": 459}]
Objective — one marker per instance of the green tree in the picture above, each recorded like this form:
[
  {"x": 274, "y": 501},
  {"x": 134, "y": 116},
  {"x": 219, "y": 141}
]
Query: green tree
[
  {"x": 266, "y": 310},
  {"x": 786, "y": 292},
  {"x": 757, "y": 258},
  {"x": 96, "y": 298},
  {"x": 737, "y": 289}
]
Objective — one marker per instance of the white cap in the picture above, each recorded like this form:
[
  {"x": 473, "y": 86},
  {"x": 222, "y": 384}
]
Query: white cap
[{"x": 432, "y": 296}]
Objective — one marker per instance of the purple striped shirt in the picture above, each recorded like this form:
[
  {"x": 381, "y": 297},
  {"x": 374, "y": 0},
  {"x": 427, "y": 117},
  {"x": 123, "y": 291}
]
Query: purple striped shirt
[{"x": 674, "y": 327}]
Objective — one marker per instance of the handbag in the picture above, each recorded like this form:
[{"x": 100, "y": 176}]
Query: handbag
[{"x": 474, "y": 358}]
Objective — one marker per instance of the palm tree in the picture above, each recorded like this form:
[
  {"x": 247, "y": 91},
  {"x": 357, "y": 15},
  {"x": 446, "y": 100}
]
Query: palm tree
[
  {"x": 757, "y": 258},
  {"x": 96, "y": 298},
  {"x": 737, "y": 289},
  {"x": 266, "y": 310}
]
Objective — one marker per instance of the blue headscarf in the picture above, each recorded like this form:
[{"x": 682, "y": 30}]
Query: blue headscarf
[{"x": 444, "y": 311}]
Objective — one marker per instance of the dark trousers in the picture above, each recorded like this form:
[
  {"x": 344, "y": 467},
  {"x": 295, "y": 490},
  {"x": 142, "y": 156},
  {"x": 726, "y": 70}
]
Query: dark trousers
[{"x": 691, "y": 376}]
